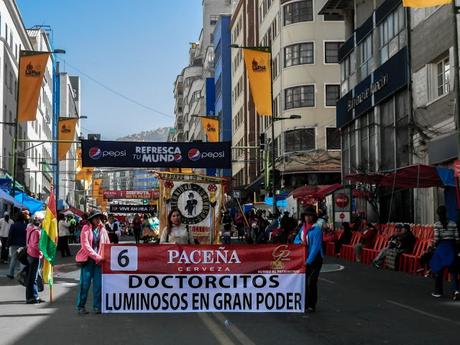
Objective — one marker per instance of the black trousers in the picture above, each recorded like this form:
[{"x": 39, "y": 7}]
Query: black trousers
[
  {"x": 137, "y": 235},
  {"x": 311, "y": 282},
  {"x": 4, "y": 252},
  {"x": 64, "y": 246}
]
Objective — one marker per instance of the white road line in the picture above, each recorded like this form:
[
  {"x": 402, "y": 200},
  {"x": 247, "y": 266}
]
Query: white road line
[
  {"x": 215, "y": 329},
  {"x": 421, "y": 312},
  {"x": 237, "y": 333},
  {"x": 327, "y": 280}
]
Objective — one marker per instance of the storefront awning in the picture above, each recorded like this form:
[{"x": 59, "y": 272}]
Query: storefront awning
[
  {"x": 314, "y": 192},
  {"x": 414, "y": 176}
]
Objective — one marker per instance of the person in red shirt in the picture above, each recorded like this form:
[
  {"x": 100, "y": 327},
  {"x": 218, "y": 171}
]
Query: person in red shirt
[{"x": 367, "y": 241}]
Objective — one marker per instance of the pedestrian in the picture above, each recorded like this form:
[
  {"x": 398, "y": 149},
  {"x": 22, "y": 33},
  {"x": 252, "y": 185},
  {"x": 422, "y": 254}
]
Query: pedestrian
[
  {"x": 64, "y": 234},
  {"x": 227, "y": 233},
  {"x": 446, "y": 238},
  {"x": 306, "y": 224},
  {"x": 16, "y": 240},
  {"x": 345, "y": 238},
  {"x": 313, "y": 240},
  {"x": 137, "y": 228},
  {"x": 176, "y": 232},
  {"x": 89, "y": 257},
  {"x": 367, "y": 240},
  {"x": 34, "y": 255},
  {"x": 5, "y": 224}
]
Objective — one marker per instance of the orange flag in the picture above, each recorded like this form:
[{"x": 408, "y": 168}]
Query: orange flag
[
  {"x": 211, "y": 127},
  {"x": 260, "y": 78},
  {"x": 32, "y": 66},
  {"x": 66, "y": 132}
]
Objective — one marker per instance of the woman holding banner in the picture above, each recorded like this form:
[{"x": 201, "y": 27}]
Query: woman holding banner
[
  {"x": 93, "y": 236},
  {"x": 176, "y": 232}
]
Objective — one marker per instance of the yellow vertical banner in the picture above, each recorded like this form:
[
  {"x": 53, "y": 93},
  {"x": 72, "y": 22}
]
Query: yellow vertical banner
[
  {"x": 259, "y": 72},
  {"x": 32, "y": 67},
  {"x": 211, "y": 128},
  {"x": 67, "y": 128},
  {"x": 425, "y": 3}
]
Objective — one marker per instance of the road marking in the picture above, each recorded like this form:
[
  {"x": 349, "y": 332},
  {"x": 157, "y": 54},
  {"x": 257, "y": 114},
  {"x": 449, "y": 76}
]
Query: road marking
[
  {"x": 421, "y": 312},
  {"x": 327, "y": 281},
  {"x": 237, "y": 333},
  {"x": 215, "y": 329}
]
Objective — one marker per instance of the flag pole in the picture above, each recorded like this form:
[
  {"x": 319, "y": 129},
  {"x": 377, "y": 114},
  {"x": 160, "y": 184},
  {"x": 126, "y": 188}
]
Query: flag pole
[{"x": 51, "y": 285}]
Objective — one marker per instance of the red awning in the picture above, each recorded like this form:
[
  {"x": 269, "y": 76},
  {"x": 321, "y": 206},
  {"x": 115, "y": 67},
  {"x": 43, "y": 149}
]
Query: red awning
[
  {"x": 75, "y": 211},
  {"x": 414, "y": 176},
  {"x": 314, "y": 192}
]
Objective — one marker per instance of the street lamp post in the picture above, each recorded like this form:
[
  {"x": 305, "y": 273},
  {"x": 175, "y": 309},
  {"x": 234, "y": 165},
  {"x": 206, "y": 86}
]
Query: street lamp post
[{"x": 268, "y": 50}]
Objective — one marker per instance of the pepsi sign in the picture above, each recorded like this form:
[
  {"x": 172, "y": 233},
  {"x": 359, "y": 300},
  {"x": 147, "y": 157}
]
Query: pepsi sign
[{"x": 156, "y": 154}]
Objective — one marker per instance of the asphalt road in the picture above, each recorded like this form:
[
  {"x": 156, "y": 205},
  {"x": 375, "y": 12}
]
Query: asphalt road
[{"x": 358, "y": 305}]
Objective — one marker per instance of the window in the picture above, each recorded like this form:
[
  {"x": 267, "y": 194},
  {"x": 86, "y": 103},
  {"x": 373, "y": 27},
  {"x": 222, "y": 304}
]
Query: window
[
  {"x": 392, "y": 34},
  {"x": 300, "y": 11},
  {"x": 332, "y": 95},
  {"x": 300, "y": 96},
  {"x": 365, "y": 54},
  {"x": 441, "y": 76},
  {"x": 298, "y": 54},
  {"x": 275, "y": 67},
  {"x": 333, "y": 138},
  {"x": 331, "y": 52},
  {"x": 302, "y": 139}
]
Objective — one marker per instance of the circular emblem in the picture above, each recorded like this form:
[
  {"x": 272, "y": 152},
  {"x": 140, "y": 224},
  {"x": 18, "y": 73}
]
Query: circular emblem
[
  {"x": 95, "y": 153},
  {"x": 193, "y": 202},
  {"x": 178, "y": 158},
  {"x": 194, "y": 155},
  {"x": 341, "y": 200}
]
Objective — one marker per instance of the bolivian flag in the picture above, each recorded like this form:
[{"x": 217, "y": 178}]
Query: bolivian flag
[
  {"x": 48, "y": 239},
  {"x": 424, "y": 3}
]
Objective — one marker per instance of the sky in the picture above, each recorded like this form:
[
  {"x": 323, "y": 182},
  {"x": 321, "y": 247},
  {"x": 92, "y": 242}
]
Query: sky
[{"x": 134, "y": 48}]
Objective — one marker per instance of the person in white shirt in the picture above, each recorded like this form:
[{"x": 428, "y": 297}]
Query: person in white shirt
[
  {"x": 176, "y": 232},
  {"x": 64, "y": 234},
  {"x": 5, "y": 224}
]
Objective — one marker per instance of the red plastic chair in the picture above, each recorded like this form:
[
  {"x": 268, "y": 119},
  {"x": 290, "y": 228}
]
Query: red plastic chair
[
  {"x": 348, "y": 250},
  {"x": 411, "y": 262},
  {"x": 369, "y": 254}
]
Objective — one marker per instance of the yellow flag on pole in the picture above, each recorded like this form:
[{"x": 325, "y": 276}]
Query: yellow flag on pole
[
  {"x": 425, "y": 3},
  {"x": 32, "y": 67},
  {"x": 260, "y": 78},
  {"x": 66, "y": 132},
  {"x": 211, "y": 127}
]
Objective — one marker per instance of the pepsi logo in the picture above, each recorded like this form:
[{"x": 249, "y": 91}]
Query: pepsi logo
[
  {"x": 194, "y": 155},
  {"x": 178, "y": 158},
  {"x": 95, "y": 153}
]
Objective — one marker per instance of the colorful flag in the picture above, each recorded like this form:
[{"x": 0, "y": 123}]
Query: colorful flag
[
  {"x": 425, "y": 3},
  {"x": 32, "y": 66},
  {"x": 48, "y": 239},
  {"x": 67, "y": 128},
  {"x": 259, "y": 73},
  {"x": 211, "y": 127}
]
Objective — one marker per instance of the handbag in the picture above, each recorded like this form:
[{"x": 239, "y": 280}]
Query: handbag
[{"x": 21, "y": 254}]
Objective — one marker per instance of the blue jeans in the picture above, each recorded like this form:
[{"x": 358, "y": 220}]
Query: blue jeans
[
  {"x": 31, "y": 280},
  {"x": 90, "y": 271},
  {"x": 14, "y": 261}
]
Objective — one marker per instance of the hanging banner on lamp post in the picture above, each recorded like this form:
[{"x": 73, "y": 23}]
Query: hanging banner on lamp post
[
  {"x": 123, "y": 154},
  {"x": 67, "y": 128},
  {"x": 32, "y": 66}
]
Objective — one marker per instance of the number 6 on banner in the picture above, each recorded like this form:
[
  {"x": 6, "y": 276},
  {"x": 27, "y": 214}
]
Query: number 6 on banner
[{"x": 123, "y": 258}]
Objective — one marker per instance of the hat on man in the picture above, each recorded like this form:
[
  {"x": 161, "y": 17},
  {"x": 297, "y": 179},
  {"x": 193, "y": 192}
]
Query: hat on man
[
  {"x": 94, "y": 214},
  {"x": 6, "y": 214},
  {"x": 309, "y": 211}
]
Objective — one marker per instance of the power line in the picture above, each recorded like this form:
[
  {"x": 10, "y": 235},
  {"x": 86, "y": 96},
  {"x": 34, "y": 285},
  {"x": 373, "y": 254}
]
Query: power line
[{"x": 119, "y": 94}]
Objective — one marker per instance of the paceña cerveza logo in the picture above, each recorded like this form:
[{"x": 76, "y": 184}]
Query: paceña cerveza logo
[
  {"x": 195, "y": 155},
  {"x": 96, "y": 153}
]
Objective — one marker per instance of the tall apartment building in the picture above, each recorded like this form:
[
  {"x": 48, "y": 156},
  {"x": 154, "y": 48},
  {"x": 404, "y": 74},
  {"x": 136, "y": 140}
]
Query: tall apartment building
[
  {"x": 190, "y": 85},
  {"x": 304, "y": 46},
  {"x": 373, "y": 111},
  {"x": 434, "y": 132}
]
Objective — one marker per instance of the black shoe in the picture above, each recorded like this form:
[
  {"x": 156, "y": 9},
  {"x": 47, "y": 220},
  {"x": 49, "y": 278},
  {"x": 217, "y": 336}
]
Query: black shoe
[
  {"x": 8, "y": 276},
  {"x": 83, "y": 311},
  {"x": 97, "y": 311},
  {"x": 311, "y": 309},
  {"x": 32, "y": 301}
]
